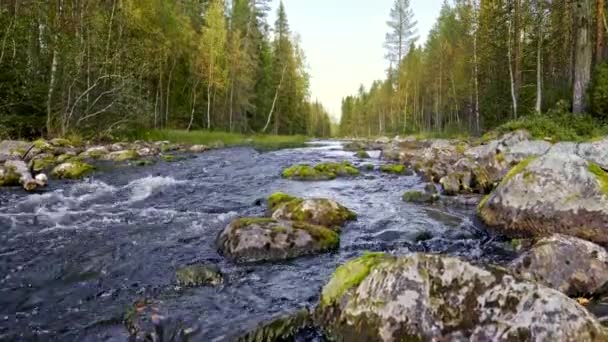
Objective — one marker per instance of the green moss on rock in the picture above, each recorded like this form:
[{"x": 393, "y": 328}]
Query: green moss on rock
[
  {"x": 72, "y": 170},
  {"x": 323, "y": 171},
  {"x": 350, "y": 275},
  {"x": 415, "y": 196},
  {"x": 517, "y": 169},
  {"x": 121, "y": 156},
  {"x": 601, "y": 175},
  {"x": 396, "y": 169},
  {"x": 9, "y": 177},
  {"x": 277, "y": 199},
  {"x": 199, "y": 275},
  {"x": 44, "y": 163},
  {"x": 327, "y": 238},
  {"x": 362, "y": 154}
]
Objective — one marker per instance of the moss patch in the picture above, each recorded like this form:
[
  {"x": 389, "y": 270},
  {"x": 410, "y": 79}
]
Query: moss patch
[
  {"x": 349, "y": 275},
  {"x": 415, "y": 196},
  {"x": 601, "y": 175},
  {"x": 199, "y": 275},
  {"x": 517, "y": 169},
  {"x": 323, "y": 171},
  {"x": 248, "y": 221},
  {"x": 72, "y": 170},
  {"x": 124, "y": 155},
  {"x": 9, "y": 177},
  {"x": 277, "y": 199},
  {"x": 362, "y": 154},
  {"x": 327, "y": 238},
  {"x": 395, "y": 169},
  {"x": 43, "y": 163}
]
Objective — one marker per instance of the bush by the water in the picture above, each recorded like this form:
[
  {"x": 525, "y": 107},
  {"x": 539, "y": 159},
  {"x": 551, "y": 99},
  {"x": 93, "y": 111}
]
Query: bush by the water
[{"x": 558, "y": 125}]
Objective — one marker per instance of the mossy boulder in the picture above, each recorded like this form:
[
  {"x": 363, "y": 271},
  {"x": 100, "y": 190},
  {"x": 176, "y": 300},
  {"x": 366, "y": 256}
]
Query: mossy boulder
[
  {"x": 95, "y": 152},
  {"x": 9, "y": 176},
  {"x": 281, "y": 328},
  {"x": 59, "y": 142},
  {"x": 426, "y": 196},
  {"x": 362, "y": 154},
  {"x": 267, "y": 239},
  {"x": 323, "y": 171},
  {"x": 43, "y": 146},
  {"x": 396, "y": 169},
  {"x": 555, "y": 193},
  {"x": 456, "y": 183},
  {"x": 43, "y": 162},
  {"x": 433, "y": 298},
  {"x": 121, "y": 156},
  {"x": 570, "y": 265},
  {"x": 198, "y": 148},
  {"x": 72, "y": 170},
  {"x": 317, "y": 211},
  {"x": 199, "y": 275}
]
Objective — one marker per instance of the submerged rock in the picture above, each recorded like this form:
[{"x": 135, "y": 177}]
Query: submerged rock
[
  {"x": 266, "y": 239},
  {"x": 432, "y": 298},
  {"x": 199, "y": 275},
  {"x": 362, "y": 154},
  {"x": 317, "y": 211},
  {"x": 323, "y": 171},
  {"x": 282, "y": 328},
  {"x": 556, "y": 193},
  {"x": 396, "y": 169},
  {"x": 570, "y": 265},
  {"x": 71, "y": 170},
  {"x": 428, "y": 195},
  {"x": 150, "y": 320}
]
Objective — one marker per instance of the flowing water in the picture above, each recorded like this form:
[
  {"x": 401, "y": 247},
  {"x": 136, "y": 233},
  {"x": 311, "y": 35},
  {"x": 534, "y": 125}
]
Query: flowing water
[{"x": 75, "y": 257}]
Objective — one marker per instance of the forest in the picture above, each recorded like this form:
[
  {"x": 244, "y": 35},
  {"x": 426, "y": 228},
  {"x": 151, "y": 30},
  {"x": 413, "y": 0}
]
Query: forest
[
  {"x": 486, "y": 63},
  {"x": 93, "y": 68}
]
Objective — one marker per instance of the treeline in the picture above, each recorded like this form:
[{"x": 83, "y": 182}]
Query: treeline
[
  {"x": 79, "y": 66},
  {"x": 486, "y": 62}
]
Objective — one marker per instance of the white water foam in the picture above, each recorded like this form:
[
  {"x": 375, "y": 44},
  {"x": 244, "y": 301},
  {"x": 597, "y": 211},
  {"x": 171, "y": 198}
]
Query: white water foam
[{"x": 143, "y": 188}]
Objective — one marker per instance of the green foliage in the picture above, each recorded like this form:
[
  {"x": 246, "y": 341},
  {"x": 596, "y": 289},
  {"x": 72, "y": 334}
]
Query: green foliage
[
  {"x": 557, "y": 126},
  {"x": 350, "y": 275},
  {"x": 599, "y": 92}
]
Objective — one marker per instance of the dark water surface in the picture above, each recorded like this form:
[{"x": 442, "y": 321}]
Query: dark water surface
[{"x": 74, "y": 258}]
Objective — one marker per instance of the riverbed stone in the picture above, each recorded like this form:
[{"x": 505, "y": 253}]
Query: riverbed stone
[
  {"x": 426, "y": 196},
  {"x": 281, "y": 328},
  {"x": 317, "y": 211},
  {"x": 267, "y": 239},
  {"x": 432, "y": 298},
  {"x": 72, "y": 170},
  {"x": 199, "y": 275},
  {"x": 396, "y": 169},
  {"x": 95, "y": 152},
  {"x": 570, "y": 265},
  {"x": 555, "y": 193},
  {"x": 362, "y": 154},
  {"x": 198, "y": 148}
]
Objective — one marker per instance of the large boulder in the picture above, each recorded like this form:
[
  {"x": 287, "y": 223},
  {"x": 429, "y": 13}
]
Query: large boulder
[
  {"x": 555, "y": 193},
  {"x": 596, "y": 152},
  {"x": 13, "y": 149},
  {"x": 316, "y": 211},
  {"x": 281, "y": 328},
  {"x": 121, "y": 155},
  {"x": 570, "y": 265},
  {"x": 16, "y": 172},
  {"x": 433, "y": 298},
  {"x": 267, "y": 239}
]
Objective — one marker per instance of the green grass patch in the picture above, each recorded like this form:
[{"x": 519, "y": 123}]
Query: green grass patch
[
  {"x": 260, "y": 142},
  {"x": 517, "y": 169}
]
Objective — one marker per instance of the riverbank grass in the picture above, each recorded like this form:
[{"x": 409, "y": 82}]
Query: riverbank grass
[{"x": 259, "y": 142}]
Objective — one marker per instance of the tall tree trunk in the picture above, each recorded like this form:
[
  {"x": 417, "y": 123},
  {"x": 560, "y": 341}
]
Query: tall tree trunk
[
  {"x": 583, "y": 54},
  {"x": 511, "y": 73},
  {"x": 52, "y": 81},
  {"x": 539, "y": 65},
  {"x": 274, "y": 101},
  {"x": 194, "y": 95},
  {"x": 600, "y": 31},
  {"x": 167, "y": 101},
  {"x": 473, "y": 4}
]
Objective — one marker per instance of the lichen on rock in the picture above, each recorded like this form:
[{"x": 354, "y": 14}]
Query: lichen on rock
[
  {"x": 266, "y": 239},
  {"x": 433, "y": 298},
  {"x": 317, "y": 211}
]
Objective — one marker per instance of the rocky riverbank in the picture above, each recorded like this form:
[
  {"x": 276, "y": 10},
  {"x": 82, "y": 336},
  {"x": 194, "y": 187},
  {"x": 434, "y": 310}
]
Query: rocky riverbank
[{"x": 27, "y": 164}]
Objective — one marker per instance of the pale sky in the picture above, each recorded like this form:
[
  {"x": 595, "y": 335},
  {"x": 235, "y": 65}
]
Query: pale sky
[{"x": 343, "y": 41}]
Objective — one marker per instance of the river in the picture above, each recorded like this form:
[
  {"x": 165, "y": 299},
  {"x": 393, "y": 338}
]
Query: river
[{"x": 74, "y": 257}]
